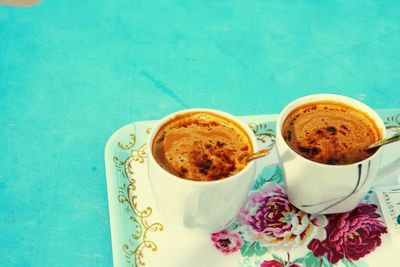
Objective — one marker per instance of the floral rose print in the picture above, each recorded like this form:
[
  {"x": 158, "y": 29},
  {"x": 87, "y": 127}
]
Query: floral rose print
[
  {"x": 350, "y": 235},
  {"x": 269, "y": 226},
  {"x": 274, "y": 222},
  {"x": 275, "y": 263},
  {"x": 271, "y": 263},
  {"x": 227, "y": 242}
]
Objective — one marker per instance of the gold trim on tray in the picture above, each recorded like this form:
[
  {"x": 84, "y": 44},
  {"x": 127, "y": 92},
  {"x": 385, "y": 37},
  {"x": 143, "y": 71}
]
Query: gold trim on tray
[
  {"x": 139, "y": 240},
  {"x": 393, "y": 122}
]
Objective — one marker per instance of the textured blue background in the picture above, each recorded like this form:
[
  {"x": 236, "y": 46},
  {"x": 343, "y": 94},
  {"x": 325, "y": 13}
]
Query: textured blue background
[{"x": 72, "y": 73}]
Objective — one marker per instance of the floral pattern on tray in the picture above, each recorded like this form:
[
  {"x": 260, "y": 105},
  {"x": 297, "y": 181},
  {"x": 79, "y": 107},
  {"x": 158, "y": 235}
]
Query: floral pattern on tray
[
  {"x": 270, "y": 226},
  {"x": 268, "y": 232}
]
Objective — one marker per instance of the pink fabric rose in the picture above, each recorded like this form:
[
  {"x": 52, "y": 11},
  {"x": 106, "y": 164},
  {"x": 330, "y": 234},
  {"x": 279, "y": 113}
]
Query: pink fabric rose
[
  {"x": 227, "y": 242},
  {"x": 273, "y": 221}
]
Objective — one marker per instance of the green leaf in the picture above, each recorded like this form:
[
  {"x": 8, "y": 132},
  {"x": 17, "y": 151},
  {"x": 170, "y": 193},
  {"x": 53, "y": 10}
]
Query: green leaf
[
  {"x": 277, "y": 177},
  {"x": 325, "y": 262},
  {"x": 359, "y": 263},
  {"x": 258, "y": 183},
  {"x": 259, "y": 250},
  {"x": 277, "y": 258},
  {"x": 232, "y": 226},
  {"x": 252, "y": 248},
  {"x": 310, "y": 260},
  {"x": 348, "y": 263},
  {"x": 268, "y": 174},
  {"x": 247, "y": 249}
]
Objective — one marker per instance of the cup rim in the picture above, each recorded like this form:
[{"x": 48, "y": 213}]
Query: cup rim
[
  {"x": 154, "y": 130},
  {"x": 329, "y": 97}
]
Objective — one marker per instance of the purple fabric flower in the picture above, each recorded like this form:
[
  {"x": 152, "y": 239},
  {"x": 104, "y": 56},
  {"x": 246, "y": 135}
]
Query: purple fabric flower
[
  {"x": 227, "y": 242},
  {"x": 274, "y": 222},
  {"x": 351, "y": 235}
]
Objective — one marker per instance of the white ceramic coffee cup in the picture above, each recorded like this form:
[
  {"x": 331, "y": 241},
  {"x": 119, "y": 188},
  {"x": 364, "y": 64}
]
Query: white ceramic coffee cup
[
  {"x": 187, "y": 204},
  {"x": 321, "y": 188}
]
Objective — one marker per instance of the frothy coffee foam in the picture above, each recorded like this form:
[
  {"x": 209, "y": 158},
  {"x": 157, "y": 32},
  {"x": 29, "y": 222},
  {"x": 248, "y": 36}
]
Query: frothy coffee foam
[
  {"x": 202, "y": 146},
  {"x": 330, "y": 132}
]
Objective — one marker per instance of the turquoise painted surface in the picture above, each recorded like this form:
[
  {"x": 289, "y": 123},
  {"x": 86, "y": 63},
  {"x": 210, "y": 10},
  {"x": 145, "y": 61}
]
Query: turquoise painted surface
[{"x": 71, "y": 73}]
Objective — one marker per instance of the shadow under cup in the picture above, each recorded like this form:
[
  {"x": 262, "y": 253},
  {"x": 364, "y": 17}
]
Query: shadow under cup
[
  {"x": 319, "y": 188},
  {"x": 203, "y": 205}
]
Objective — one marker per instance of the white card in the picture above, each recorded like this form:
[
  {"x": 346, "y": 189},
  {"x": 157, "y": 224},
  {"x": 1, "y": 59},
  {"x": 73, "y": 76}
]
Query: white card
[{"x": 389, "y": 200}]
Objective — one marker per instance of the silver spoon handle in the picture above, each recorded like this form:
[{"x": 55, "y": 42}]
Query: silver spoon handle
[{"x": 391, "y": 139}]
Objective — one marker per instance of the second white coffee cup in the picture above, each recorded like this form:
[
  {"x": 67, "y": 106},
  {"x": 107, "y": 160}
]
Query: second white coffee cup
[{"x": 320, "y": 188}]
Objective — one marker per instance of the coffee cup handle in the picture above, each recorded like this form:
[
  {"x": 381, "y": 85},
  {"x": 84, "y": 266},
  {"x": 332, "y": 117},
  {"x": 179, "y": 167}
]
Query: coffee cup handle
[
  {"x": 389, "y": 169},
  {"x": 191, "y": 206}
]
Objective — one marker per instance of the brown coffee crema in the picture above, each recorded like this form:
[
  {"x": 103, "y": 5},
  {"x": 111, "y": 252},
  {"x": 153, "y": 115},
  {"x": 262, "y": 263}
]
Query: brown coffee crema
[
  {"x": 201, "y": 146},
  {"x": 330, "y": 132}
]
